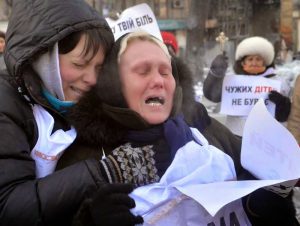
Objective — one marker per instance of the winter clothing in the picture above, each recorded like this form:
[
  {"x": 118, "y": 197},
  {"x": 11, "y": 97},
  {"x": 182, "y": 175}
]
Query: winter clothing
[
  {"x": 271, "y": 211},
  {"x": 170, "y": 40},
  {"x": 255, "y": 46},
  {"x": 2, "y": 63},
  {"x": 294, "y": 118},
  {"x": 93, "y": 132},
  {"x": 136, "y": 152},
  {"x": 35, "y": 26},
  {"x": 109, "y": 204},
  {"x": 197, "y": 116},
  {"x": 212, "y": 86},
  {"x": 283, "y": 105},
  {"x": 219, "y": 66}
]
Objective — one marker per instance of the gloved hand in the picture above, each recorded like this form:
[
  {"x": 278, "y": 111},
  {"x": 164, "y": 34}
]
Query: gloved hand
[
  {"x": 177, "y": 133},
  {"x": 110, "y": 207},
  {"x": 267, "y": 208},
  {"x": 219, "y": 66},
  {"x": 283, "y": 105},
  {"x": 283, "y": 189}
]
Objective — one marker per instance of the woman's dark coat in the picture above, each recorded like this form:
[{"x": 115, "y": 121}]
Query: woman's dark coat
[
  {"x": 102, "y": 125},
  {"x": 35, "y": 26}
]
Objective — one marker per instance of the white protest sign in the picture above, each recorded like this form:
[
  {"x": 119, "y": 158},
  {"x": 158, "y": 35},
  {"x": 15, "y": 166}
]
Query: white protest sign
[
  {"x": 241, "y": 92},
  {"x": 269, "y": 150},
  {"x": 139, "y": 17}
]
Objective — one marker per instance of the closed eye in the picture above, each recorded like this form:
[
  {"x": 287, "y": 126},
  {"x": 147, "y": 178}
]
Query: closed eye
[
  {"x": 165, "y": 71},
  {"x": 78, "y": 65},
  {"x": 144, "y": 70}
]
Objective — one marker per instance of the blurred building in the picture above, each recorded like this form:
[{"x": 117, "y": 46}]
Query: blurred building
[
  {"x": 197, "y": 23},
  {"x": 296, "y": 26}
]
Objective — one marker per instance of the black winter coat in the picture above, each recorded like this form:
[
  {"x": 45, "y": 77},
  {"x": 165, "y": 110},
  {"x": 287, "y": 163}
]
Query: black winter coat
[
  {"x": 35, "y": 26},
  {"x": 98, "y": 130}
]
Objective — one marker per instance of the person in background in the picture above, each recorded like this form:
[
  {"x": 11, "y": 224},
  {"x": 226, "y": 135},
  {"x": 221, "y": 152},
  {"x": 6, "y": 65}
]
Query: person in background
[
  {"x": 54, "y": 53},
  {"x": 254, "y": 56},
  {"x": 170, "y": 41},
  {"x": 132, "y": 123},
  {"x": 2, "y": 47}
]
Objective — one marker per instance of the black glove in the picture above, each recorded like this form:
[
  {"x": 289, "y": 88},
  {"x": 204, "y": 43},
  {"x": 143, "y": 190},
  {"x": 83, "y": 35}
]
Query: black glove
[
  {"x": 109, "y": 207},
  {"x": 283, "y": 189},
  {"x": 219, "y": 66},
  {"x": 267, "y": 208},
  {"x": 283, "y": 105}
]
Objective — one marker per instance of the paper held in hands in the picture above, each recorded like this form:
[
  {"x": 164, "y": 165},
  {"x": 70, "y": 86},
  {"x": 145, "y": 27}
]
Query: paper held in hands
[{"x": 269, "y": 152}]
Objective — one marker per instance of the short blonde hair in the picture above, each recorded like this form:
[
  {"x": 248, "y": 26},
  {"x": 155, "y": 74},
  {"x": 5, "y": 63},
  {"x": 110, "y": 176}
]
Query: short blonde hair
[{"x": 144, "y": 36}]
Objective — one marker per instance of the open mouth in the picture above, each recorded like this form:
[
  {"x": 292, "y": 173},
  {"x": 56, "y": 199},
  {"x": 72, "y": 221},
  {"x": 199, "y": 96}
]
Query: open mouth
[
  {"x": 78, "y": 91},
  {"x": 155, "y": 101}
]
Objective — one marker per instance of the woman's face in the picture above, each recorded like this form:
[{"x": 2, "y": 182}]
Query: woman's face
[
  {"x": 78, "y": 72},
  {"x": 147, "y": 81},
  {"x": 253, "y": 64}
]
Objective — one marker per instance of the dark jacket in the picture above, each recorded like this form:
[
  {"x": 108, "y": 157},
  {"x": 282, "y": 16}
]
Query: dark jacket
[
  {"x": 102, "y": 121},
  {"x": 2, "y": 63},
  {"x": 197, "y": 116},
  {"x": 35, "y": 26}
]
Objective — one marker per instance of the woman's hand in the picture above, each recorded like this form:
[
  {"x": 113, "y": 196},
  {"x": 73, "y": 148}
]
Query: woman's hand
[{"x": 110, "y": 206}]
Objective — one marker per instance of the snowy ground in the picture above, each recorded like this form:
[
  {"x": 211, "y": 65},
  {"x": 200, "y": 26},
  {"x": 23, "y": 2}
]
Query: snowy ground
[{"x": 289, "y": 71}]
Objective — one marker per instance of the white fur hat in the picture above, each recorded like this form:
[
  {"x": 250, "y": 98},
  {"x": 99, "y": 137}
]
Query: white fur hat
[{"x": 256, "y": 46}]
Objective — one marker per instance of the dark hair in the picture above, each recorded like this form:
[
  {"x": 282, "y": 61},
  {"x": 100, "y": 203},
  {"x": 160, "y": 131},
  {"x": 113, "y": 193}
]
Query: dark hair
[
  {"x": 2, "y": 34},
  {"x": 96, "y": 38}
]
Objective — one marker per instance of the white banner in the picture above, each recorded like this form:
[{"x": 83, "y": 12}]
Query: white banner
[
  {"x": 241, "y": 92},
  {"x": 139, "y": 17}
]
